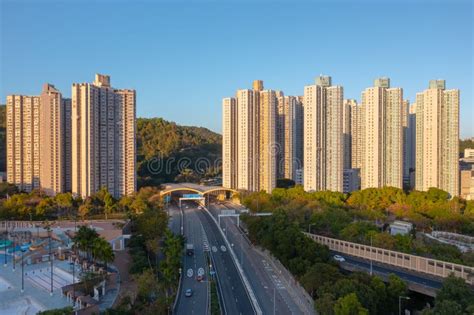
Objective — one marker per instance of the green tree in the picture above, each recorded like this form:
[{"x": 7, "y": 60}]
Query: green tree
[
  {"x": 318, "y": 275},
  {"x": 349, "y": 305},
  {"x": 455, "y": 289}
]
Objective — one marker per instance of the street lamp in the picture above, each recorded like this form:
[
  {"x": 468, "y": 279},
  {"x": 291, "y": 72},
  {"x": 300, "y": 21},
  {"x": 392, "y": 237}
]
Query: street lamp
[
  {"x": 22, "y": 271},
  {"x": 400, "y": 303}
]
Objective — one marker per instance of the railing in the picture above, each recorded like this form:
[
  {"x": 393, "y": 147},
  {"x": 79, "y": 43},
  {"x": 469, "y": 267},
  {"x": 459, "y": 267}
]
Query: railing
[{"x": 411, "y": 262}]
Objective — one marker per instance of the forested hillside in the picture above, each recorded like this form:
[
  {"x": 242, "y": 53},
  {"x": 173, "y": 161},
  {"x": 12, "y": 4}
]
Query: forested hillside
[
  {"x": 166, "y": 149},
  {"x": 464, "y": 144}
]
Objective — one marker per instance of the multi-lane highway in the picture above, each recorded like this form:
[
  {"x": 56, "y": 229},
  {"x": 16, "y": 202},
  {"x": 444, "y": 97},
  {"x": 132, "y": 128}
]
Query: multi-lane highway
[
  {"x": 198, "y": 303},
  {"x": 272, "y": 286},
  {"x": 233, "y": 293},
  {"x": 202, "y": 232}
]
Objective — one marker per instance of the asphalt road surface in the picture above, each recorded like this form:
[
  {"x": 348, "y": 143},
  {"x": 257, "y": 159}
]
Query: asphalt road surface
[
  {"x": 198, "y": 302},
  {"x": 378, "y": 268},
  {"x": 268, "y": 283},
  {"x": 232, "y": 290}
]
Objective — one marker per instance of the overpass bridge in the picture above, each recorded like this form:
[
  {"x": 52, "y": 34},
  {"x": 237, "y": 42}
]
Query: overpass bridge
[{"x": 201, "y": 191}]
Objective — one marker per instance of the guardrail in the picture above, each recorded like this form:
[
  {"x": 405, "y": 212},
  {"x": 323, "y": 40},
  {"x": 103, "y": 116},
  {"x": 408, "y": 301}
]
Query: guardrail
[{"x": 415, "y": 263}]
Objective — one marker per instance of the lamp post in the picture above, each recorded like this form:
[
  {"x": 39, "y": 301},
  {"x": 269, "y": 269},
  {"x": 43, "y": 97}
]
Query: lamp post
[
  {"x": 22, "y": 272},
  {"x": 371, "y": 269},
  {"x": 13, "y": 257},
  {"x": 6, "y": 240},
  {"x": 400, "y": 303}
]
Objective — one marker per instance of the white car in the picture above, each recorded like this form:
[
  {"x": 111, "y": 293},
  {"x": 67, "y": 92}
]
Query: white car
[{"x": 339, "y": 258}]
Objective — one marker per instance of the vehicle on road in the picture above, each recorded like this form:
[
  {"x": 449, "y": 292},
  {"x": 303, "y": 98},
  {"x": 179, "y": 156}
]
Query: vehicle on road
[
  {"x": 189, "y": 249},
  {"x": 339, "y": 258},
  {"x": 188, "y": 293}
]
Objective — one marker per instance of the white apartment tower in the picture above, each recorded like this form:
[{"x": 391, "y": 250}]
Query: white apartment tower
[
  {"x": 55, "y": 143},
  {"x": 23, "y": 141},
  {"x": 323, "y": 136},
  {"x": 382, "y": 162},
  {"x": 437, "y": 138},
  {"x": 103, "y": 138},
  {"x": 347, "y": 131},
  {"x": 356, "y": 134},
  {"x": 289, "y": 136},
  {"x": 229, "y": 142}
]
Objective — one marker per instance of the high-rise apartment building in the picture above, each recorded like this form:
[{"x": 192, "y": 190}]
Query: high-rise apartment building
[
  {"x": 267, "y": 145},
  {"x": 437, "y": 138},
  {"x": 103, "y": 138},
  {"x": 411, "y": 145},
  {"x": 347, "y": 131},
  {"x": 55, "y": 141},
  {"x": 323, "y": 136},
  {"x": 382, "y": 162},
  {"x": 247, "y": 140},
  {"x": 356, "y": 135},
  {"x": 289, "y": 136},
  {"x": 229, "y": 142},
  {"x": 23, "y": 141}
]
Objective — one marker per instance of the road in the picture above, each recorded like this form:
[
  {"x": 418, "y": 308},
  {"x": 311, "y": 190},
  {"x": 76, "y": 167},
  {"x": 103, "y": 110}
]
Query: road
[
  {"x": 269, "y": 284},
  {"x": 194, "y": 233},
  {"x": 232, "y": 290},
  {"x": 386, "y": 270}
]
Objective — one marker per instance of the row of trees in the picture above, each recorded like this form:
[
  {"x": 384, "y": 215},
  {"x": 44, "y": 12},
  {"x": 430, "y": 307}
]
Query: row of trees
[
  {"x": 156, "y": 256},
  {"x": 36, "y": 205}
]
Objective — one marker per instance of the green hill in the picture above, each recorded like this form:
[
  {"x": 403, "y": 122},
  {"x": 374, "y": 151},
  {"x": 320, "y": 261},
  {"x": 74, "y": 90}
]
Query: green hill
[{"x": 165, "y": 148}]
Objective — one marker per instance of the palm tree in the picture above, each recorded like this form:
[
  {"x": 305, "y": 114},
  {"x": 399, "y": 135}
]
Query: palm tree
[
  {"x": 84, "y": 239},
  {"x": 102, "y": 251}
]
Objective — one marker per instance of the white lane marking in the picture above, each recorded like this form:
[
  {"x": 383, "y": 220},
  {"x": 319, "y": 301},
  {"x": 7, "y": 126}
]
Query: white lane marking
[
  {"x": 200, "y": 271},
  {"x": 214, "y": 249},
  {"x": 190, "y": 273},
  {"x": 223, "y": 248}
]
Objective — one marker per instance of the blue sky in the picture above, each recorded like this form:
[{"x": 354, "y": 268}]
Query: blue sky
[{"x": 183, "y": 57}]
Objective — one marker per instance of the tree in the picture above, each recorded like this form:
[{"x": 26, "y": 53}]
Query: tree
[
  {"x": 455, "y": 289},
  {"x": 318, "y": 275},
  {"x": 448, "y": 307},
  {"x": 109, "y": 204},
  {"x": 64, "y": 201},
  {"x": 58, "y": 311},
  {"x": 349, "y": 305},
  {"x": 102, "y": 251},
  {"x": 325, "y": 304},
  {"x": 85, "y": 238},
  {"x": 396, "y": 287}
]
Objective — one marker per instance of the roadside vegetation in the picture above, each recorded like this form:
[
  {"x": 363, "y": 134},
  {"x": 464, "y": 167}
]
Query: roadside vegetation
[
  {"x": 155, "y": 258},
  {"x": 363, "y": 217},
  {"x": 336, "y": 292}
]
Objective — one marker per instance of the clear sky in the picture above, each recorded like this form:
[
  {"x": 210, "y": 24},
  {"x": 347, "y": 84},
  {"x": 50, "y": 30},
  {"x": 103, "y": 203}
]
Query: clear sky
[{"x": 183, "y": 57}]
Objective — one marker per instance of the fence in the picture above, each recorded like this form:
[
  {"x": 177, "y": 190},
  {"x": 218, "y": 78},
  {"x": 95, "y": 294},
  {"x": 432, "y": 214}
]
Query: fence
[{"x": 411, "y": 262}]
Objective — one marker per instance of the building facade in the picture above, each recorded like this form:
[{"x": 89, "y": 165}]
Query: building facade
[
  {"x": 356, "y": 135},
  {"x": 103, "y": 138},
  {"x": 23, "y": 141},
  {"x": 323, "y": 136},
  {"x": 382, "y": 161},
  {"x": 55, "y": 144},
  {"x": 437, "y": 138},
  {"x": 229, "y": 142}
]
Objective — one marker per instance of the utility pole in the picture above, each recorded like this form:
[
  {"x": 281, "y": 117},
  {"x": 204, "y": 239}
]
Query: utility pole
[
  {"x": 400, "y": 303},
  {"x": 6, "y": 240},
  {"x": 13, "y": 257},
  {"x": 241, "y": 250},
  {"x": 50, "y": 259},
  {"x": 274, "y": 301},
  {"x": 22, "y": 273}
]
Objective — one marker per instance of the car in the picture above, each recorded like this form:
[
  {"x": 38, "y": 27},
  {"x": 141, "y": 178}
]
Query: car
[
  {"x": 339, "y": 258},
  {"x": 188, "y": 293},
  {"x": 199, "y": 278}
]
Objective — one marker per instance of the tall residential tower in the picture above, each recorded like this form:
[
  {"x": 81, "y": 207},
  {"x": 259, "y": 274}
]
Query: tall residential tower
[
  {"x": 323, "y": 136},
  {"x": 437, "y": 138}
]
